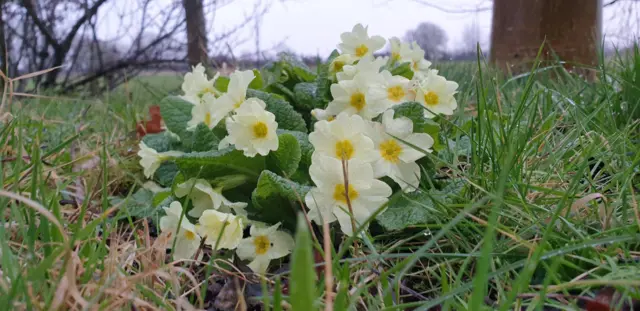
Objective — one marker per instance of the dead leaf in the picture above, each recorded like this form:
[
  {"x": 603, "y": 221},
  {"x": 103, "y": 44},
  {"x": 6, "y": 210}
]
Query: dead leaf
[{"x": 153, "y": 126}]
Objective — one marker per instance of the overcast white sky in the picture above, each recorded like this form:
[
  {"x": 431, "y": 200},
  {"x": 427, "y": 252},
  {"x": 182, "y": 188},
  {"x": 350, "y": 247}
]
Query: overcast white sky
[{"x": 314, "y": 26}]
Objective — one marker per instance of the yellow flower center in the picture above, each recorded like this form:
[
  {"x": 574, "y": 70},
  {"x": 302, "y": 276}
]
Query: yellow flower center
[
  {"x": 431, "y": 98},
  {"x": 338, "y": 65},
  {"x": 331, "y": 118},
  {"x": 189, "y": 235},
  {"x": 344, "y": 149},
  {"x": 395, "y": 93},
  {"x": 395, "y": 56},
  {"x": 205, "y": 91},
  {"x": 237, "y": 104},
  {"x": 262, "y": 244},
  {"x": 260, "y": 130},
  {"x": 390, "y": 150},
  {"x": 340, "y": 195},
  {"x": 207, "y": 119},
  {"x": 361, "y": 50},
  {"x": 357, "y": 101},
  {"x": 414, "y": 65}
]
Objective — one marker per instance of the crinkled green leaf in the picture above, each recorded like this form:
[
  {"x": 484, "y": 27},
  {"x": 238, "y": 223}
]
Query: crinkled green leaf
[
  {"x": 138, "y": 205},
  {"x": 459, "y": 150},
  {"x": 409, "y": 209},
  {"x": 404, "y": 70},
  {"x": 286, "y": 116},
  {"x": 297, "y": 68},
  {"x": 306, "y": 147},
  {"x": 463, "y": 146},
  {"x": 161, "y": 142},
  {"x": 280, "y": 89},
  {"x": 304, "y": 73},
  {"x": 229, "y": 181},
  {"x": 307, "y": 96},
  {"x": 272, "y": 73},
  {"x": 203, "y": 139},
  {"x": 165, "y": 173},
  {"x": 415, "y": 112},
  {"x": 176, "y": 113},
  {"x": 277, "y": 199},
  {"x": 286, "y": 159},
  {"x": 217, "y": 163}
]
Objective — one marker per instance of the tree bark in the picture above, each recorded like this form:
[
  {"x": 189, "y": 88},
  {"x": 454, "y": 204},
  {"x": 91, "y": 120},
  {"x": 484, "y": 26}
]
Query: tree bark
[
  {"x": 196, "y": 36},
  {"x": 569, "y": 29}
]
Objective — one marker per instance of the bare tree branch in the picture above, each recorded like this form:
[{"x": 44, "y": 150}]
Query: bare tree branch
[{"x": 452, "y": 11}]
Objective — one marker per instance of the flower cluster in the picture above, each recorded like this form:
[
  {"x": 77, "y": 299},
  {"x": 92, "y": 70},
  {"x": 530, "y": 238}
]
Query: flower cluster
[
  {"x": 351, "y": 149},
  {"x": 221, "y": 222},
  {"x": 359, "y": 137}
]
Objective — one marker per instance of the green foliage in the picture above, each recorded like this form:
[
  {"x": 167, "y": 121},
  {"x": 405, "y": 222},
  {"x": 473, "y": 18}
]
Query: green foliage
[
  {"x": 176, "y": 113},
  {"x": 414, "y": 208},
  {"x": 161, "y": 142},
  {"x": 307, "y": 97},
  {"x": 306, "y": 147},
  {"x": 415, "y": 112},
  {"x": 222, "y": 84},
  {"x": 499, "y": 208},
  {"x": 302, "y": 288},
  {"x": 403, "y": 69},
  {"x": 286, "y": 116},
  {"x": 137, "y": 205},
  {"x": 277, "y": 199},
  {"x": 165, "y": 173},
  {"x": 286, "y": 159},
  {"x": 218, "y": 163},
  {"x": 629, "y": 82},
  {"x": 203, "y": 139}
]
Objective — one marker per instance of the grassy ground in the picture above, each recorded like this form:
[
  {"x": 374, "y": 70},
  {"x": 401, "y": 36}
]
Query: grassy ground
[{"x": 548, "y": 215}]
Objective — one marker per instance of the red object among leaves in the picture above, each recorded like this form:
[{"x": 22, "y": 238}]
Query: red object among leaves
[
  {"x": 153, "y": 126},
  {"x": 609, "y": 299}
]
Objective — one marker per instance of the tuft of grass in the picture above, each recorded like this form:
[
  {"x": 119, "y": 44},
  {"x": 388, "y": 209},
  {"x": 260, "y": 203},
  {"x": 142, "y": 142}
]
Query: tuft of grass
[{"x": 544, "y": 168}]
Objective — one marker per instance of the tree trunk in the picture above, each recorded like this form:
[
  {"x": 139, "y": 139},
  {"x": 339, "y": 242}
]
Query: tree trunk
[
  {"x": 196, "y": 36},
  {"x": 569, "y": 29}
]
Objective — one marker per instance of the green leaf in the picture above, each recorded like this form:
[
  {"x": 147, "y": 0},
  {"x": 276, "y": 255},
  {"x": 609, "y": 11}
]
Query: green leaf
[
  {"x": 307, "y": 96},
  {"x": 257, "y": 83},
  {"x": 306, "y": 147},
  {"x": 286, "y": 116},
  {"x": 159, "y": 142},
  {"x": 415, "y": 112},
  {"x": 404, "y": 70},
  {"x": 277, "y": 199},
  {"x": 165, "y": 173},
  {"x": 299, "y": 69},
  {"x": 303, "y": 277},
  {"x": 203, "y": 139},
  {"x": 286, "y": 159},
  {"x": 221, "y": 84},
  {"x": 408, "y": 209},
  {"x": 176, "y": 113},
  {"x": 138, "y": 205},
  {"x": 160, "y": 197},
  {"x": 217, "y": 163},
  {"x": 280, "y": 89},
  {"x": 304, "y": 73}
]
